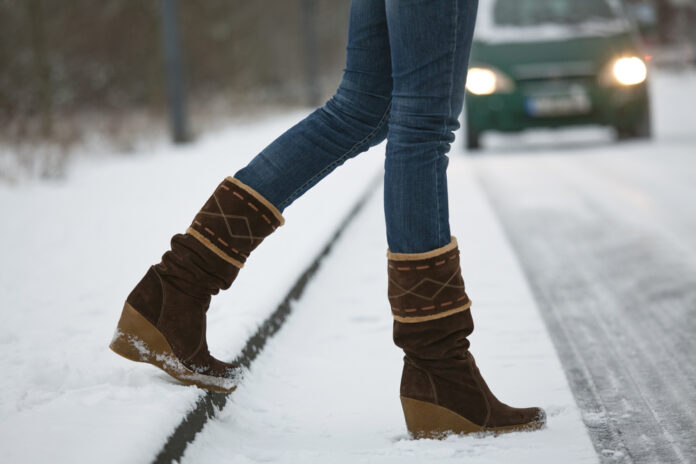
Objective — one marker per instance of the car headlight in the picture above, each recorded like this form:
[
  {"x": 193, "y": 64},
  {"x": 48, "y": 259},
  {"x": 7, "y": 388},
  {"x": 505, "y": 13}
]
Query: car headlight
[
  {"x": 485, "y": 81},
  {"x": 629, "y": 70}
]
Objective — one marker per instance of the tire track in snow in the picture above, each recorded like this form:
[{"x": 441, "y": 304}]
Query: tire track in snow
[
  {"x": 210, "y": 403},
  {"x": 616, "y": 284}
]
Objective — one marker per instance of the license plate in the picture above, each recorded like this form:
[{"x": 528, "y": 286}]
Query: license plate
[{"x": 574, "y": 100}]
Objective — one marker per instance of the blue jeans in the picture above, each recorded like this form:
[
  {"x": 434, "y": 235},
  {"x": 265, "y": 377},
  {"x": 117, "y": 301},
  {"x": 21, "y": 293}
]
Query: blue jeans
[{"x": 404, "y": 81}]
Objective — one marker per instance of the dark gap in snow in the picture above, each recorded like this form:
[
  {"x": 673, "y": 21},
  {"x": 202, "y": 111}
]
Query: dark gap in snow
[{"x": 210, "y": 403}]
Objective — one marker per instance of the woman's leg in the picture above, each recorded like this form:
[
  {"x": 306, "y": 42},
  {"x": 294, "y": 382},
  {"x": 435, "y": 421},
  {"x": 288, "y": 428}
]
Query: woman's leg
[
  {"x": 352, "y": 121},
  {"x": 441, "y": 387},
  {"x": 164, "y": 318},
  {"x": 430, "y": 43}
]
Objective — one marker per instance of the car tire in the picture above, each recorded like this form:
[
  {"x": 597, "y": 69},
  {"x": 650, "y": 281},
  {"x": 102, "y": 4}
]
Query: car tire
[
  {"x": 473, "y": 139},
  {"x": 641, "y": 130}
]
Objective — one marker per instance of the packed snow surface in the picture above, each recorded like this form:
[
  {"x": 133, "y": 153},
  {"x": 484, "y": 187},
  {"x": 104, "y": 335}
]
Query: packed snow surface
[
  {"x": 71, "y": 253},
  {"x": 326, "y": 388},
  {"x": 608, "y": 241}
]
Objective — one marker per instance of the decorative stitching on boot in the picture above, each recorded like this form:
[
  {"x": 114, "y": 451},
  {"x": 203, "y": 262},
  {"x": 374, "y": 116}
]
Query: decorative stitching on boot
[
  {"x": 249, "y": 237},
  {"x": 429, "y": 288},
  {"x": 234, "y": 221},
  {"x": 411, "y": 290},
  {"x": 274, "y": 211},
  {"x": 212, "y": 247}
]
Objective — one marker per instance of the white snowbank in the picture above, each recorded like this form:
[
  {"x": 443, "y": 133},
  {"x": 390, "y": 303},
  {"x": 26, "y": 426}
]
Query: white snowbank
[{"x": 71, "y": 251}]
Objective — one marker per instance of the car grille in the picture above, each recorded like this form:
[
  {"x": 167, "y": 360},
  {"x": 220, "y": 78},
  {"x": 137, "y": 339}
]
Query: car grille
[{"x": 553, "y": 71}]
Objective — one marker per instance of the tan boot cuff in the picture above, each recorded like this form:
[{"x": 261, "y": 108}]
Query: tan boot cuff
[
  {"x": 234, "y": 221},
  {"x": 259, "y": 197},
  {"x": 426, "y": 286},
  {"x": 425, "y": 255}
]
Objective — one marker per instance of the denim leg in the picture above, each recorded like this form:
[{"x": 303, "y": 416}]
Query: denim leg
[
  {"x": 430, "y": 43},
  {"x": 352, "y": 121}
]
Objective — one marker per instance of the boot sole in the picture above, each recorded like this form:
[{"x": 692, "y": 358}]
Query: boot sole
[
  {"x": 138, "y": 340},
  {"x": 428, "y": 420}
]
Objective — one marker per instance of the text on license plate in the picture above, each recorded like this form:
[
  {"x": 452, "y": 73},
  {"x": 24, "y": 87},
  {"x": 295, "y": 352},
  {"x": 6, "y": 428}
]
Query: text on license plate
[{"x": 574, "y": 101}]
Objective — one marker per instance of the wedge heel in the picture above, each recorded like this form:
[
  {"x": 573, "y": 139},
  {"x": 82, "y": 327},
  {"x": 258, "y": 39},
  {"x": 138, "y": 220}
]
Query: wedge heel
[
  {"x": 428, "y": 420},
  {"x": 138, "y": 340}
]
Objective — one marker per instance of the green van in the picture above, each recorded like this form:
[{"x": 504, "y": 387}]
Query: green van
[{"x": 553, "y": 63}]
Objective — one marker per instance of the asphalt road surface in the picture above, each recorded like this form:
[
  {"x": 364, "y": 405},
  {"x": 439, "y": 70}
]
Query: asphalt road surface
[{"x": 606, "y": 234}]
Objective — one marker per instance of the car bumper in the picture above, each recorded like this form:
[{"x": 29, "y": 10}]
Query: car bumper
[{"x": 612, "y": 106}]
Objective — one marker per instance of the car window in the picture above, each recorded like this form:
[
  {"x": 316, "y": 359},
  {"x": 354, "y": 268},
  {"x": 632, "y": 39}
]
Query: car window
[{"x": 536, "y": 12}]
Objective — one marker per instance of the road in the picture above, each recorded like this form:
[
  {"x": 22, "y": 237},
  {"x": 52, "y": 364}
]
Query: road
[
  {"x": 606, "y": 234},
  {"x": 595, "y": 238},
  {"x": 608, "y": 243}
]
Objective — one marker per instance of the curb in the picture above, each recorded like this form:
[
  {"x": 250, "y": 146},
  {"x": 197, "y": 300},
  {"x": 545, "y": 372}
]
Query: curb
[{"x": 210, "y": 403}]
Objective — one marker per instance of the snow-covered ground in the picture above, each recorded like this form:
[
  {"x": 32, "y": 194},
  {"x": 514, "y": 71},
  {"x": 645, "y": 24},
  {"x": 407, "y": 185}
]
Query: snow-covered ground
[
  {"x": 607, "y": 238},
  {"x": 326, "y": 387},
  {"x": 72, "y": 251}
]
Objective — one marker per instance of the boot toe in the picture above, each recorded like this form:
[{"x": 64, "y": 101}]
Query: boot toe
[
  {"x": 506, "y": 418},
  {"x": 211, "y": 366},
  {"x": 539, "y": 417},
  {"x": 213, "y": 374},
  {"x": 222, "y": 369},
  {"x": 525, "y": 418}
]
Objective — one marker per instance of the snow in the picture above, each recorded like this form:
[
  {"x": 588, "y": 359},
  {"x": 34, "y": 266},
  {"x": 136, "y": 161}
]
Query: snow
[
  {"x": 326, "y": 387},
  {"x": 607, "y": 236},
  {"x": 71, "y": 253},
  {"x": 489, "y": 32}
]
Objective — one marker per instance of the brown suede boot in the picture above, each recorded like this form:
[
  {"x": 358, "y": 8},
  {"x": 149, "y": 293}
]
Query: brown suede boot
[
  {"x": 164, "y": 318},
  {"x": 442, "y": 390}
]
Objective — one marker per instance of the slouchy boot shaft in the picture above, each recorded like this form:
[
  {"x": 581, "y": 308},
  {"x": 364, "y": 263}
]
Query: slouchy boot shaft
[
  {"x": 442, "y": 389},
  {"x": 164, "y": 318}
]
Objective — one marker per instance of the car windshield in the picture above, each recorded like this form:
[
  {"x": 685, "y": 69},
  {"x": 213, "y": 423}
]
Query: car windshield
[{"x": 536, "y": 12}]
